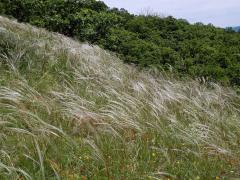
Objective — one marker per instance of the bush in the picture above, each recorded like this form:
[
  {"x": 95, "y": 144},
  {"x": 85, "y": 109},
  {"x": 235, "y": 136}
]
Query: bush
[{"x": 149, "y": 41}]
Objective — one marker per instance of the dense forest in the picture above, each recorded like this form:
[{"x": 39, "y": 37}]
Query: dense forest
[{"x": 196, "y": 50}]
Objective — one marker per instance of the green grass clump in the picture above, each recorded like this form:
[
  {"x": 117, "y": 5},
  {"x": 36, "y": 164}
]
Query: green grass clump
[{"x": 73, "y": 111}]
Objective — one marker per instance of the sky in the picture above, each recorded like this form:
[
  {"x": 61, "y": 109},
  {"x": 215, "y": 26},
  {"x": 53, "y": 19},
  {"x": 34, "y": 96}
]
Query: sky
[{"x": 221, "y": 13}]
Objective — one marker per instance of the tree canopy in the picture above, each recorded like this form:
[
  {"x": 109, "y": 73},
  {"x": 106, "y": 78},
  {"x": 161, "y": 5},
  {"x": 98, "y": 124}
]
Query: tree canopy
[{"x": 197, "y": 50}]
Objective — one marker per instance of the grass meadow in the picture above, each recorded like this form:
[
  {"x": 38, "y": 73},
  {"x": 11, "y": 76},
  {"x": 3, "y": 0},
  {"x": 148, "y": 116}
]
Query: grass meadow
[{"x": 70, "y": 110}]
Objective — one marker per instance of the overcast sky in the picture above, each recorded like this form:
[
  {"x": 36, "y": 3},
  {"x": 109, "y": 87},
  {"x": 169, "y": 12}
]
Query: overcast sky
[{"x": 221, "y": 13}]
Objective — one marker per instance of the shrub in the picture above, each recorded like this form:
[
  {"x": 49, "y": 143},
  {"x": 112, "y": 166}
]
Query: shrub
[{"x": 149, "y": 41}]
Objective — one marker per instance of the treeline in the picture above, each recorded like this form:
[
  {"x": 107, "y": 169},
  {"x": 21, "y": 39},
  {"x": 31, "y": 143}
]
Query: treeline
[
  {"x": 149, "y": 41},
  {"x": 237, "y": 29}
]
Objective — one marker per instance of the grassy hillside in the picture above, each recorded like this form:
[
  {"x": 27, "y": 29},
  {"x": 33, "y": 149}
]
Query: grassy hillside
[
  {"x": 149, "y": 41},
  {"x": 72, "y": 111}
]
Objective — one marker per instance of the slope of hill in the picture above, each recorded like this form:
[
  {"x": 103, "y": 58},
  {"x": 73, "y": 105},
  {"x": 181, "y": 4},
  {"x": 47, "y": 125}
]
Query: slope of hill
[
  {"x": 72, "y": 111},
  {"x": 148, "y": 41}
]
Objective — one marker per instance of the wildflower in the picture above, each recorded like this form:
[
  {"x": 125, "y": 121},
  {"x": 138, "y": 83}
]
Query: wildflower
[
  {"x": 217, "y": 178},
  {"x": 86, "y": 157},
  {"x": 84, "y": 178},
  {"x": 150, "y": 177}
]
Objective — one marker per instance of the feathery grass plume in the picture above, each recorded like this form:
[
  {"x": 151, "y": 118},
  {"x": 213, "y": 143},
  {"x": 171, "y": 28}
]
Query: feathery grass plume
[{"x": 73, "y": 111}]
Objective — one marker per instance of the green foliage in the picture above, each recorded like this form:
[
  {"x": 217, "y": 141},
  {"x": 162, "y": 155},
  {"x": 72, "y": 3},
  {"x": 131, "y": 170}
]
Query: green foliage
[{"x": 149, "y": 41}]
